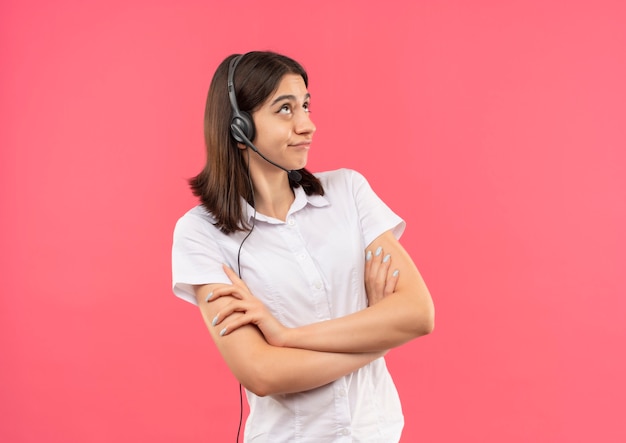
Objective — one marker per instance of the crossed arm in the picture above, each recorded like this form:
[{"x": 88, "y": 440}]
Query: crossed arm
[{"x": 269, "y": 358}]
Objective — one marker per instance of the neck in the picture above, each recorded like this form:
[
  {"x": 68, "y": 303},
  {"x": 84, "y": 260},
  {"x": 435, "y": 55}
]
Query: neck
[{"x": 272, "y": 194}]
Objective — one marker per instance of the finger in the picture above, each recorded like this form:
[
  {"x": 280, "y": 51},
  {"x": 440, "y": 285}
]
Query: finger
[
  {"x": 368, "y": 261},
  {"x": 224, "y": 290},
  {"x": 233, "y": 325},
  {"x": 385, "y": 264},
  {"x": 392, "y": 281},
  {"x": 383, "y": 270},
  {"x": 229, "y": 309},
  {"x": 232, "y": 275},
  {"x": 373, "y": 265},
  {"x": 239, "y": 306}
]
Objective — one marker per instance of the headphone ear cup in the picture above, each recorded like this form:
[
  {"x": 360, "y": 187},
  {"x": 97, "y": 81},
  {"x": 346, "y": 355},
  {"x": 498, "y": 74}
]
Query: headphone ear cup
[{"x": 243, "y": 121}]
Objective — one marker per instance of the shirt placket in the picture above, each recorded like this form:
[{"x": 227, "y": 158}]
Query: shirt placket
[
  {"x": 313, "y": 277},
  {"x": 323, "y": 312}
]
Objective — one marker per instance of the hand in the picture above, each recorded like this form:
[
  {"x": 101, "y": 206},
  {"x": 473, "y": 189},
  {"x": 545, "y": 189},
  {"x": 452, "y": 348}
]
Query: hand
[
  {"x": 252, "y": 311},
  {"x": 379, "y": 280}
]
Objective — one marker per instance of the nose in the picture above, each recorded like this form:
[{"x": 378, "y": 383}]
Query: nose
[{"x": 303, "y": 123}]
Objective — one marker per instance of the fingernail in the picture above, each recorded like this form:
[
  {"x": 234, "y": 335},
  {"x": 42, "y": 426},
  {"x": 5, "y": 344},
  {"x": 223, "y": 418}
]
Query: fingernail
[
  {"x": 379, "y": 250},
  {"x": 222, "y": 332},
  {"x": 214, "y": 322},
  {"x": 395, "y": 273},
  {"x": 368, "y": 257},
  {"x": 387, "y": 257},
  {"x": 208, "y": 297}
]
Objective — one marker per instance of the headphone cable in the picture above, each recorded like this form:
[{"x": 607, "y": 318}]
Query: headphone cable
[{"x": 239, "y": 273}]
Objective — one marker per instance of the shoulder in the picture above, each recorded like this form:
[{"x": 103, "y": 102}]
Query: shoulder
[
  {"x": 197, "y": 219},
  {"x": 340, "y": 178}
]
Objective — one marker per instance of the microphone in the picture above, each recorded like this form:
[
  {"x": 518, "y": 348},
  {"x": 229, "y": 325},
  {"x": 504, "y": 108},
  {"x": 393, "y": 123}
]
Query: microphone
[{"x": 291, "y": 173}]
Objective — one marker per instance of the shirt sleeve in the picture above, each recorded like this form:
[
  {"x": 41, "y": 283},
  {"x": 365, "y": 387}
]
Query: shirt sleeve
[
  {"x": 375, "y": 216},
  {"x": 196, "y": 256}
]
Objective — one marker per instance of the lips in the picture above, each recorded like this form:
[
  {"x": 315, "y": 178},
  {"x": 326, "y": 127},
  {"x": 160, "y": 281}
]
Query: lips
[{"x": 304, "y": 144}]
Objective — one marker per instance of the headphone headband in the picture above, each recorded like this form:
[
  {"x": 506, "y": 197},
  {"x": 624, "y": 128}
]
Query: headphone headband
[{"x": 241, "y": 123}]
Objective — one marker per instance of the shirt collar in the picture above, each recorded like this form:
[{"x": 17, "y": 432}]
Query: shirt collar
[{"x": 301, "y": 200}]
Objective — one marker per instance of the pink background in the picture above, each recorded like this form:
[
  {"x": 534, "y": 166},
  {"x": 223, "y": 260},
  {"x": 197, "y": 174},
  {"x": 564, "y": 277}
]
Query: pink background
[{"x": 496, "y": 129}]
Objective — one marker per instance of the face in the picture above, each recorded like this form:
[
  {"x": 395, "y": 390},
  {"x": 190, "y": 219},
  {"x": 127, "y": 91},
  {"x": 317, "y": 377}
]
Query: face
[{"x": 284, "y": 129}]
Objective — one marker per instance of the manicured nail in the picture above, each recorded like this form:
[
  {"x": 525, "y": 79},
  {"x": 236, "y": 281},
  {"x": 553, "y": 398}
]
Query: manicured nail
[
  {"x": 222, "y": 332},
  {"x": 208, "y": 297},
  {"x": 395, "y": 273},
  {"x": 387, "y": 257},
  {"x": 214, "y": 322},
  {"x": 368, "y": 257},
  {"x": 379, "y": 250}
]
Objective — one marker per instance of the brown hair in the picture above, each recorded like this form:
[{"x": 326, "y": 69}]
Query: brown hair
[{"x": 224, "y": 179}]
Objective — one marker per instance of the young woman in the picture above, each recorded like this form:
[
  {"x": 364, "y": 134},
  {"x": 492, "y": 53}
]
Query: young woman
[{"x": 299, "y": 277}]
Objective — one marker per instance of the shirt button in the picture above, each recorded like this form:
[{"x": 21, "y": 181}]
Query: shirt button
[
  {"x": 291, "y": 221},
  {"x": 317, "y": 284},
  {"x": 342, "y": 392},
  {"x": 302, "y": 256},
  {"x": 345, "y": 431}
]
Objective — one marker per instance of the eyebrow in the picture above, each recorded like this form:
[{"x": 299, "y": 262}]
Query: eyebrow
[{"x": 288, "y": 97}]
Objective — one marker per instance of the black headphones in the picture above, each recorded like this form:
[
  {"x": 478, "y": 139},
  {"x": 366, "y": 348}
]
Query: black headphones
[{"x": 241, "y": 124}]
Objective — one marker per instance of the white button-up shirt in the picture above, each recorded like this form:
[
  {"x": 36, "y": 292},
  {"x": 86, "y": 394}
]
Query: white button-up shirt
[{"x": 306, "y": 269}]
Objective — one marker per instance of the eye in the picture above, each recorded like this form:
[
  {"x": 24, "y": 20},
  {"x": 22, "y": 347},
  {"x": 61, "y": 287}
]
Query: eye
[
  {"x": 307, "y": 107},
  {"x": 285, "y": 109}
]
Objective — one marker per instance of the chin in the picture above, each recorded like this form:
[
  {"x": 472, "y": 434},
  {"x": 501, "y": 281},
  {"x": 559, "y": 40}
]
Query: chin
[{"x": 302, "y": 164}]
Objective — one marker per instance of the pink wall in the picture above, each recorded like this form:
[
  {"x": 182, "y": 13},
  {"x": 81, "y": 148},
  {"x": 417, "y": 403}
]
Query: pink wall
[{"x": 497, "y": 129}]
